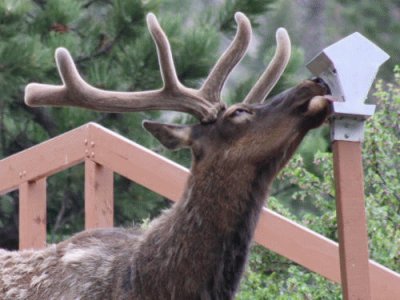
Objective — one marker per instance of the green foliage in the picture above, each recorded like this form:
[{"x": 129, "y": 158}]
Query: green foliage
[
  {"x": 53, "y": 13},
  {"x": 252, "y": 8},
  {"x": 272, "y": 277},
  {"x": 382, "y": 174}
]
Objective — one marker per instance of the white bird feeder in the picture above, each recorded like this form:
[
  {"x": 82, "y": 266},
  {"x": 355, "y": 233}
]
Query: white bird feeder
[{"x": 349, "y": 68}]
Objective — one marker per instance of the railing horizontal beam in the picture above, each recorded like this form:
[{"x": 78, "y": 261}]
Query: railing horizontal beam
[
  {"x": 137, "y": 163},
  {"x": 43, "y": 160}
]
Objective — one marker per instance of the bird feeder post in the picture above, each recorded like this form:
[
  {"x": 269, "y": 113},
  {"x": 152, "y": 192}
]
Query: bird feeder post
[{"x": 349, "y": 68}]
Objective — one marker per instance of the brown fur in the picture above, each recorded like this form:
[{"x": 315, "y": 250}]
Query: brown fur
[{"x": 198, "y": 248}]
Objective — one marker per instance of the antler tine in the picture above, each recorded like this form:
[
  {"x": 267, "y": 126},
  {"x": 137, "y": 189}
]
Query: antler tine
[
  {"x": 44, "y": 94},
  {"x": 271, "y": 75},
  {"x": 213, "y": 85},
  {"x": 167, "y": 66}
]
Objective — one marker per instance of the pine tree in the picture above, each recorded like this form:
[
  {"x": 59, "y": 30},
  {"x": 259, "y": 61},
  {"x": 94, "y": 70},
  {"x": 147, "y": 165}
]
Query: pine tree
[{"x": 112, "y": 48}]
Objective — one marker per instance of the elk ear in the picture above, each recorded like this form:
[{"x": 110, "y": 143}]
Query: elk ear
[{"x": 171, "y": 136}]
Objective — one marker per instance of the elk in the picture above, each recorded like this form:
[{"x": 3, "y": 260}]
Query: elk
[{"x": 198, "y": 248}]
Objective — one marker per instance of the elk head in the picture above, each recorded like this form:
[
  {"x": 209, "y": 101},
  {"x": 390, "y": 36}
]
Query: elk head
[{"x": 247, "y": 132}]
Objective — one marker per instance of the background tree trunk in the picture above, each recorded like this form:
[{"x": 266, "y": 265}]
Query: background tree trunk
[{"x": 312, "y": 19}]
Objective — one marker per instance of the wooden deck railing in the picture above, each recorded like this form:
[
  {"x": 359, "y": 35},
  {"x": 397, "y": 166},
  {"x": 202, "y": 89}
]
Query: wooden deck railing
[{"x": 105, "y": 152}]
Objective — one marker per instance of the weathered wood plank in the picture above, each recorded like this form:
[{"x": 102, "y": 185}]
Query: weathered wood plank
[
  {"x": 32, "y": 214},
  {"x": 99, "y": 195},
  {"x": 43, "y": 160}
]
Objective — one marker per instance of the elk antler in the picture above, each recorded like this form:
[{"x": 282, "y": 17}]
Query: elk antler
[
  {"x": 213, "y": 85},
  {"x": 204, "y": 103},
  {"x": 274, "y": 70}
]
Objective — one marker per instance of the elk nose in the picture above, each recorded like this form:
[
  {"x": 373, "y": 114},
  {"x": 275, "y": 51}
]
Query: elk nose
[{"x": 322, "y": 83}]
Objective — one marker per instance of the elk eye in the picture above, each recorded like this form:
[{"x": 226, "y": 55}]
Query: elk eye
[{"x": 239, "y": 112}]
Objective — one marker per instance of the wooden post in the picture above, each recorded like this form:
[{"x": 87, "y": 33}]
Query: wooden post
[
  {"x": 99, "y": 199},
  {"x": 32, "y": 214},
  {"x": 352, "y": 226}
]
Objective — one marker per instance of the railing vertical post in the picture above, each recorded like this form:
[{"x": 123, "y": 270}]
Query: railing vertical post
[
  {"x": 32, "y": 214},
  {"x": 352, "y": 224},
  {"x": 99, "y": 198}
]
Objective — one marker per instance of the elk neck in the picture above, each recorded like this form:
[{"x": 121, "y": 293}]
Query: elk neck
[
  {"x": 226, "y": 195},
  {"x": 210, "y": 229}
]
